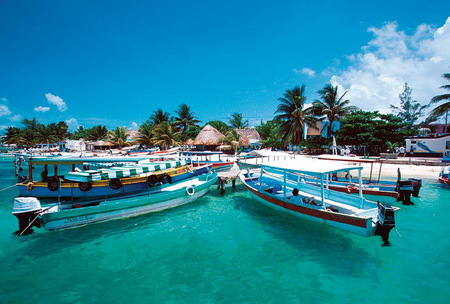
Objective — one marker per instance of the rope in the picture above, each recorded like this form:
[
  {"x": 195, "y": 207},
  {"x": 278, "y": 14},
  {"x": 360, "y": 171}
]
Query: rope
[
  {"x": 7, "y": 188},
  {"x": 39, "y": 213}
]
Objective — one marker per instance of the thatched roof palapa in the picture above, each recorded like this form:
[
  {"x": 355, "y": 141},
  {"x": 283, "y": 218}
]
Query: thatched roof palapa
[{"x": 208, "y": 136}]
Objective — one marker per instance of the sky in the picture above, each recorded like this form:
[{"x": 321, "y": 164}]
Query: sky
[{"x": 115, "y": 62}]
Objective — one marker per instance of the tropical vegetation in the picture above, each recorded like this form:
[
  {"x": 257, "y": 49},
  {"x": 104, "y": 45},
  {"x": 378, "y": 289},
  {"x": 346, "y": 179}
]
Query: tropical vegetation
[{"x": 371, "y": 132}]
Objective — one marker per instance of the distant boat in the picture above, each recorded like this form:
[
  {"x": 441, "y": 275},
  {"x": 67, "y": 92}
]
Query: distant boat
[
  {"x": 63, "y": 215},
  {"x": 444, "y": 176},
  {"x": 272, "y": 187},
  {"x": 199, "y": 158},
  {"x": 101, "y": 177},
  {"x": 400, "y": 189}
]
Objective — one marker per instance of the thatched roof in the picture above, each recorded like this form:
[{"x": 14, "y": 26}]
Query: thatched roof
[
  {"x": 248, "y": 135},
  {"x": 208, "y": 136}
]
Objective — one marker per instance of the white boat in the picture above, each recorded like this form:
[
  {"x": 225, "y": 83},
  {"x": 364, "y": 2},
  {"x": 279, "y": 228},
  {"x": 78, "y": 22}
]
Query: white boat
[
  {"x": 62, "y": 215},
  {"x": 272, "y": 186}
]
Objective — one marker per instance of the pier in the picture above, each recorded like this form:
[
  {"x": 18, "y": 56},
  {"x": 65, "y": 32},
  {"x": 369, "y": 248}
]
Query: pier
[{"x": 225, "y": 177}]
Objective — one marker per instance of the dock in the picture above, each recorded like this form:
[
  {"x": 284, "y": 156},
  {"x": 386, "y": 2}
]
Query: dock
[{"x": 225, "y": 177}]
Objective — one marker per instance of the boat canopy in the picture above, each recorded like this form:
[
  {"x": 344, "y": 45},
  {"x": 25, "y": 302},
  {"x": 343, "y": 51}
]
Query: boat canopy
[
  {"x": 120, "y": 172},
  {"x": 61, "y": 160},
  {"x": 311, "y": 167}
]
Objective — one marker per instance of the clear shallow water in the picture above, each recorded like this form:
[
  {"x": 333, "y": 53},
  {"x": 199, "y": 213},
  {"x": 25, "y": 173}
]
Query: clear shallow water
[{"x": 227, "y": 249}]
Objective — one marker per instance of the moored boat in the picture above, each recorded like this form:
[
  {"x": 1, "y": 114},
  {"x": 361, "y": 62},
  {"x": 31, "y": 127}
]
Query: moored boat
[
  {"x": 272, "y": 187},
  {"x": 444, "y": 176},
  {"x": 100, "y": 177},
  {"x": 56, "y": 216},
  {"x": 199, "y": 158}
]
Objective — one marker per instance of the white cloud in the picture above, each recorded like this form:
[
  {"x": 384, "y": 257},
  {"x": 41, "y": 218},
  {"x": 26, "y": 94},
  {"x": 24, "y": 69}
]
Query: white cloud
[
  {"x": 72, "y": 123},
  {"x": 306, "y": 71},
  {"x": 134, "y": 126},
  {"x": 4, "y": 110},
  {"x": 16, "y": 117},
  {"x": 41, "y": 109},
  {"x": 57, "y": 101},
  {"x": 377, "y": 74},
  {"x": 3, "y": 127}
]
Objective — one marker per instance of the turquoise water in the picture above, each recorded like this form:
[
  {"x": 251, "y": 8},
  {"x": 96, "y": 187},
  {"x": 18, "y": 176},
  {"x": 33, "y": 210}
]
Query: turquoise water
[{"x": 227, "y": 249}]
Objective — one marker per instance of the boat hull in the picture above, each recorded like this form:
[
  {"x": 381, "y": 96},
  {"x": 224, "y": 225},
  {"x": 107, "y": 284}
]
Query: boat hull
[{"x": 169, "y": 197}]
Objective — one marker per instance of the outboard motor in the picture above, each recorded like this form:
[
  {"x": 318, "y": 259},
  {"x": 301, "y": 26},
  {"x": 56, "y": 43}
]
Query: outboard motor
[
  {"x": 417, "y": 184},
  {"x": 27, "y": 209},
  {"x": 386, "y": 221},
  {"x": 405, "y": 189}
]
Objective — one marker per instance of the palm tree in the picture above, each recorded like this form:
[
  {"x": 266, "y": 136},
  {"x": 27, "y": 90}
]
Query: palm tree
[
  {"x": 97, "y": 133},
  {"x": 185, "y": 119},
  {"x": 292, "y": 118},
  {"x": 237, "y": 121},
  {"x": 219, "y": 126},
  {"x": 232, "y": 138},
  {"x": 47, "y": 134},
  {"x": 145, "y": 135},
  {"x": 443, "y": 108},
  {"x": 332, "y": 105},
  {"x": 13, "y": 135},
  {"x": 119, "y": 136},
  {"x": 165, "y": 136},
  {"x": 158, "y": 117}
]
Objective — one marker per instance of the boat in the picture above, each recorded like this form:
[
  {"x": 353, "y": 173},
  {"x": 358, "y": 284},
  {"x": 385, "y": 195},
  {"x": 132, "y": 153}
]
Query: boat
[
  {"x": 271, "y": 186},
  {"x": 400, "y": 189},
  {"x": 63, "y": 215},
  {"x": 199, "y": 158},
  {"x": 444, "y": 176},
  {"x": 100, "y": 176}
]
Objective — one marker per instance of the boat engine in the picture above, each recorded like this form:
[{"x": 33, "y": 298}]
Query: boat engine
[
  {"x": 417, "y": 184},
  {"x": 27, "y": 209},
  {"x": 386, "y": 221},
  {"x": 405, "y": 189}
]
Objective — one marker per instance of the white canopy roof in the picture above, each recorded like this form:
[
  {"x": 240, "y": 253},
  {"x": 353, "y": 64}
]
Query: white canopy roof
[{"x": 311, "y": 166}]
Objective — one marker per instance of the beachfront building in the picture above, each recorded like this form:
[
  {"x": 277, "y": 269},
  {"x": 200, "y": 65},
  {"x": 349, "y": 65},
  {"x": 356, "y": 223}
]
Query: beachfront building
[{"x": 431, "y": 145}]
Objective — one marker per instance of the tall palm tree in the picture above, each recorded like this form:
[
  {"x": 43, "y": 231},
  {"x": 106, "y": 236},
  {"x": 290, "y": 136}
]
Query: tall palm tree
[
  {"x": 237, "y": 121},
  {"x": 159, "y": 116},
  {"x": 185, "y": 119},
  {"x": 333, "y": 106},
  {"x": 47, "y": 134},
  {"x": 443, "y": 108},
  {"x": 119, "y": 136},
  {"x": 13, "y": 135},
  {"x": 219, "y": 126},
  {"x": 145, "y": 135},
  {"x": 165, "y": 136},
  {"x": 97, "y": 133},
  {"x": 292, "y": 117},
  {"x": 232, "y": 138}
]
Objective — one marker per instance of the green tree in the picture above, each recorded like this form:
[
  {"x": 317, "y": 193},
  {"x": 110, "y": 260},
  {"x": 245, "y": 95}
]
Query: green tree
[
  {"x": 333, "y": 106},
  {"x": 164, "y": 135},
  {"x": 97, "y": 133},
  {"x": 410, "y": 110},
  {"x": 158, "y": 116},
  {"x": 371, "y": 130},
  {"x": 119, "y": 136},
  {"x": 47, "y": 134},
  {"x": 237, "y": 121},
  {"x": 291, "y": 117},
  {"x": 443, "y": 108},
  {"x": 13, "y": 135},
  {"x": 219, "y": 126},
  {"x": 185, "y": 120},
  {"x": 232, "y": 138},
  {"x": 78, "y": 133},
  {"x": 270, "y": 134},
  {"x": 145, "y": 135}
]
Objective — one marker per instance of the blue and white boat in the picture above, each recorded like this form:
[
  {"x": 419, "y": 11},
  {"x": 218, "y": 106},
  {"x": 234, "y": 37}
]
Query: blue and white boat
[{"x": 63, "y": 215}]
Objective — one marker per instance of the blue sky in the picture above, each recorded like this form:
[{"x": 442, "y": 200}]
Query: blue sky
[{"x": 115, "y": 62}]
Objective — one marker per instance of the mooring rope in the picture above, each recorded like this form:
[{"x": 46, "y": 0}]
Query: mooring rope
[
  {"x": 7, "y": 187},
  {"x": 37, "y": 215}
]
